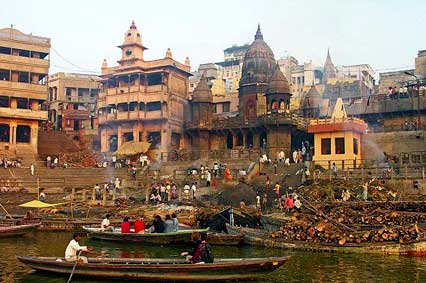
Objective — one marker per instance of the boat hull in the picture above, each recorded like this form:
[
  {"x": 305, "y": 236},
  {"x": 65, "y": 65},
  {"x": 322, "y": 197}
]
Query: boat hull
[
  {"x": 181, "y": 236},
  {"x": 261, "y": 238},
  {"x": 159, "y": 269},
  {"x": 18, "y": 230}
]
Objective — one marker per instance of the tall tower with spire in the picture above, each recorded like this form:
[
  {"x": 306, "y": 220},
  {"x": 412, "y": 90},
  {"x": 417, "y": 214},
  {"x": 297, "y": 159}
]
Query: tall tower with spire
[
  {"x": 132, "y": 48},
  {"x": 329, "y": 69}
]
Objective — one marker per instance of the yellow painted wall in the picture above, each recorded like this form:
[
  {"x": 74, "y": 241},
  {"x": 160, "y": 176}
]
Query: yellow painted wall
[{"x": 348, "y": 157}]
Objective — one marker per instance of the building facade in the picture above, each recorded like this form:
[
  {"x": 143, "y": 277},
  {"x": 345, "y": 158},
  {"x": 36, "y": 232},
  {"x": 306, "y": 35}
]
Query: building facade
[
  {"x": 262, "y": 121},
  {"x": 72, "y": 102},
  {"x": 142, "y": 100},
  {"x": 24, "y": 66}
]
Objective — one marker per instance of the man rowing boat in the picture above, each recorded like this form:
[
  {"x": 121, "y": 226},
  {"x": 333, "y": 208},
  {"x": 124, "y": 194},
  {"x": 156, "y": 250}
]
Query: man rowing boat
[{"x": 74, "y": 247}]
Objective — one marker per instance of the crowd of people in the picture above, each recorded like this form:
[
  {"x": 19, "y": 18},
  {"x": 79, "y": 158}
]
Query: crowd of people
[{"x": 7, "y": 162}]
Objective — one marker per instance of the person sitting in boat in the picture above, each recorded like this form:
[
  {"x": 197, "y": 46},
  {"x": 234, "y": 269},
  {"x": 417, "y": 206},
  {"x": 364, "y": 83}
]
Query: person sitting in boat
[
  {"x": 201, "y": 252},
  {"x": 175, "y": 222},
  {"x": 139, "y": 225},
  {"x": 157, "y": 226},
  {"x": 125, "y": 225},
  {"x": 168, "y": 224},
  {"x": 106, "y": 225},
  {"x": 74, "y": 247}
]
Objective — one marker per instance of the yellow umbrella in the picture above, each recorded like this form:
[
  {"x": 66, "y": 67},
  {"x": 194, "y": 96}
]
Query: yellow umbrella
[{"x": 39, "y": 204}]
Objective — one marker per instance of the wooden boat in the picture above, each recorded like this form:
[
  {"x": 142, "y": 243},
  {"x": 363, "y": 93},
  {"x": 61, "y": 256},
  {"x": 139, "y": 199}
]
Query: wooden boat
[
  {"x": 56, "y": 224},
  {"x": 181, "y": 236},
  {"x": 16, "y": 230},
  {"x": 159, "y": 269},
  {"x": 260, "y": 237},
  {"x": 223, "y": 239}
]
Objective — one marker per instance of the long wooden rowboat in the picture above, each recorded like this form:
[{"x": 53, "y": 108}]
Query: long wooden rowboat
[
  {"x": 260, "y": 237},
  {"x": 223, "y": 239},
  {"x": 159, "y": 269},
  {"x": 16, "y": 230},
  {"x": 181, "y": 236}
]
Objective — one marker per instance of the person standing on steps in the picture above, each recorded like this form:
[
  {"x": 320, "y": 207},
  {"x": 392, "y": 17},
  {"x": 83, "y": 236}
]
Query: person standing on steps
[{"x": 32, "y": 168}]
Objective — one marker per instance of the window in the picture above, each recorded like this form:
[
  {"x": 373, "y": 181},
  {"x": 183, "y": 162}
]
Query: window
[
  {"x": 214, "y": 109},
  {"x": 340, "y": 145},
  {"x": 356, "y": 146},
  {"x": 325, "y": 146},
  {"x": 226, "y": 106},
  {"x": 153, "y": 106}
]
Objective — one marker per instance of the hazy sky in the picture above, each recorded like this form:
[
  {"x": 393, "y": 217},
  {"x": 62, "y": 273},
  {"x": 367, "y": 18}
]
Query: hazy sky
[{"x": 384, "y": 34}]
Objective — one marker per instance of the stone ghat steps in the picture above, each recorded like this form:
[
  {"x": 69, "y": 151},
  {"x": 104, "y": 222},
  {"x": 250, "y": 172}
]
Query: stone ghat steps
[
  {"x": 70, "y": 177},
  {"x": 284, "y": 173},
  {"x": 54, "y": 143}
]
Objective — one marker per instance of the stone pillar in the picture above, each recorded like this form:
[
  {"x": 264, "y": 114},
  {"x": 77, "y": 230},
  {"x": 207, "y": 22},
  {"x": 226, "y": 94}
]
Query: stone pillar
[
  {"x": 119, "y": 137},
  {"x": 13, "y": 103},
  {"x": 165, "y": 138},
  {"x": 11, "y": 131},
  {"x": 34, "y": 105},
  {"x": 136, "y": 132},
  {"x": 34, "y": 137},
  {"x": 104, "y": 140}
]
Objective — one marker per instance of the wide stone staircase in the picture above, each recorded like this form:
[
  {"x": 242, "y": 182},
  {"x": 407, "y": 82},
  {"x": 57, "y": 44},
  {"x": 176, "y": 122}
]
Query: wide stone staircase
[
  {"x": 70, "y": 177},
  {"x": 54, "y": 142}
]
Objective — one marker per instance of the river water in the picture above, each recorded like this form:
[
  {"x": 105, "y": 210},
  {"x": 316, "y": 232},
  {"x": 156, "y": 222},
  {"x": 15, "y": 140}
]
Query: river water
[{"x": 303, "y": 267}]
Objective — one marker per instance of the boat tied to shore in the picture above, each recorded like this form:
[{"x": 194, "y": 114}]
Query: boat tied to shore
[
  {"x": 17, "y": 230},
  {"x": 259, "y": 237},
  {"x": 163, "y": 269},
  {"x": 180, "y": 236}
]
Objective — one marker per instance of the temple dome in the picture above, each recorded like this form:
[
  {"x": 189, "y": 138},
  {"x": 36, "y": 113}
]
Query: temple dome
[
  {"x": 202, "y": 93},
  {"x": 259, "y": 63},
  {"x": 278, "y": 84}
]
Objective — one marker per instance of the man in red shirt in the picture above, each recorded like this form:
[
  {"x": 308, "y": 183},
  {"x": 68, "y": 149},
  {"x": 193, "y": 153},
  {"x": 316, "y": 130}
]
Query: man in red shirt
[
  {"x": 125, "y": 225},
  {"x": 289, "y": 203},
  {"x": 139, "y": 225}
]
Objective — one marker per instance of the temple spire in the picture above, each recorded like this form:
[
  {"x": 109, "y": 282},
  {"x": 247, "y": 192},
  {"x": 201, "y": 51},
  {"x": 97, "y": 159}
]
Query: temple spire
[
  {"x": 259, "y": 34},
  {"x": 329, "y": 69}
]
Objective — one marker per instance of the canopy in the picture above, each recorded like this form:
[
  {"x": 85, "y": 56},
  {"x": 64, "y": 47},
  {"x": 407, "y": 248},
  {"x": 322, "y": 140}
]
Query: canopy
[
  {"x": 39, "y": 204},
  {"x": 133, "y": 147}
]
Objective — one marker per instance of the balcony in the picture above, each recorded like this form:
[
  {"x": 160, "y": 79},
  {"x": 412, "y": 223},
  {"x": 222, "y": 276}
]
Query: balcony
[
  {"x": 131, "y": 115},
  {"x": 76, "y": 114},
  {"x": 26, "y": 64},
  {"x": 23, "y": 114},
  {"x": 23, "y": 90}
]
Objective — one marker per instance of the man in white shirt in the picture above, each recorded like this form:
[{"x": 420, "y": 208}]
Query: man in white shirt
[
  {"x": 208, "y": 178},
  {"x": 73, "y": 248},
  {"x": 106, "y": 225},
  {"x": 194, "y": 190}
]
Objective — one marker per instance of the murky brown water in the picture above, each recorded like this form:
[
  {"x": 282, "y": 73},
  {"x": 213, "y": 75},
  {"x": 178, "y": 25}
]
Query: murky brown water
[{"x": 304, "y": 266}]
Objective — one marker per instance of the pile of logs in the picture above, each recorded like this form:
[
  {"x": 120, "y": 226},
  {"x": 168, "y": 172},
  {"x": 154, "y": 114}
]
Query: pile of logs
[
  {"x": 323, "y": 231},
  {"x": 79, "y": 159}
]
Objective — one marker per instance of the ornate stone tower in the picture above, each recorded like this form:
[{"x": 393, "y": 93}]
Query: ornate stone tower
[
  {"x": 202, "y": 99},
  {"x": 278, "y": 93},
  {"x": 201, "y": 113},
  {"x": 132, "y": 48},
  {"x": 258, "y": 68},
  {"x": 310, "y": 104}
]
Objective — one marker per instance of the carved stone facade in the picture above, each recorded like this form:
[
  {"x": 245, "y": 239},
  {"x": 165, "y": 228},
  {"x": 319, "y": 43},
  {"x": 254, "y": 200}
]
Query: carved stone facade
[{"x": 142, "y": 100}]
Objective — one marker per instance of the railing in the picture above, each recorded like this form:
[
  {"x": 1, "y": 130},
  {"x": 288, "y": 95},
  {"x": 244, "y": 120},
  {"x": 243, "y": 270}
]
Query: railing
[
  {"x": 24, "y": 37},
  {"x": 191, "y": 155},
  {"x": 240, "y": 122}
]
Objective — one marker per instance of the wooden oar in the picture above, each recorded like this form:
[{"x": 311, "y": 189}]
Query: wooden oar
[{"x": 73, "y": 268}]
